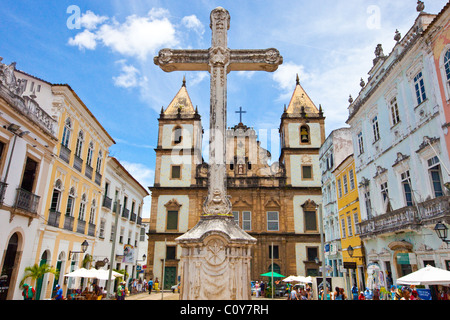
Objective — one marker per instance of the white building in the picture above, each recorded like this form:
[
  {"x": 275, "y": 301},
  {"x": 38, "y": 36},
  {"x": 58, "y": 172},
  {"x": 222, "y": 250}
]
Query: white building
[
  {"x": 336, "y": 148},
  {"x": 27, "y": 139},
  {"x": 401, "y": 157},
  {"x": 120, "y": 186}
]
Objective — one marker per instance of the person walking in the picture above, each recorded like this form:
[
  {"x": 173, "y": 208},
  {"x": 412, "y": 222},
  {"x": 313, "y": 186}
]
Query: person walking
[
  {"x": 337, "y": 294},
  {"x": 293, "y": 295},
  {"x": 361, "y": 296},
  {"x": 355, "y": 292},
  {"x": 342, "y": 293},
  {"x": 262, "y": 287},
  {"x": 121, "y": 291},
  {"x": 150, "y": 285},
  {"x": 368, "y": 294},
  {"x": 28, "y": 292}
]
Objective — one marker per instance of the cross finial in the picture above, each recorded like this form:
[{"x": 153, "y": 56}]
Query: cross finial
[{"x": 240, "y": 114}]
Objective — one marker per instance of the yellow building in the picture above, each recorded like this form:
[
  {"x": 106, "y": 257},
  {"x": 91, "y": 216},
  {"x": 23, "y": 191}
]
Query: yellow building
[
  {"x": 349, "y": 217},
  {"x": 71, "y": 214}
]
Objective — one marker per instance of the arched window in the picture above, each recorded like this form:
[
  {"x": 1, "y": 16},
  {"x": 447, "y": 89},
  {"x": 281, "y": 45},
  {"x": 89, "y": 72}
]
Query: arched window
[
  {"x": 177, "y": 135},
  {"x": 92, "y": 213},
  {"x": 90, "y": 154},
  {"x": 99, "y": 162},
  {"x": 276, "y": 268},
  {"x": 447, "y": 67},
  {"x": 56, "y": 197},
  {"x": 70, "y": 202},
  {"x": 79, "y": 147},
  {"x": 66, "y": 133},
  {"x": 304, "y": 134},
  {"x": 82, "y": 207}
]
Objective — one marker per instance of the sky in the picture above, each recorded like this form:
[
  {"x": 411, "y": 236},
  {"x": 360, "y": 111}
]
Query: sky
[{"x": 104, "y": 50}]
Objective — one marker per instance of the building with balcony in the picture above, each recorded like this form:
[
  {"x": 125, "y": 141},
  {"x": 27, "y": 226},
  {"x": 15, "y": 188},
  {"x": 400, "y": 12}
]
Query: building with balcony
[
  {"x": 352, "y": 248},
  {"x": 73, "y": 198},
  {"x": 336, "y": 148},
  {"x": 28, "y": 137},
  {"x": 120, "y": 221},
  {"x": 401, "y": 157}
]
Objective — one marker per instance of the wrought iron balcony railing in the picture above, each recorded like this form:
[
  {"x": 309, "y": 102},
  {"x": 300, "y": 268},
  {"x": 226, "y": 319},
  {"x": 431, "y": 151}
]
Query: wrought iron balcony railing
[
  {"x": 77, "y": 163},
  {"x": 88, "y": 171},
  {"x": 81, "y": 226},
  {"x": 407, "y": 218},
  {"x": 64, "y": 153},
  {"x": 69, "y": 222},
  {"x": 27, "y": 201},
  {"x": 107, "y": 202},
  {"x": 53, "y": 218}
]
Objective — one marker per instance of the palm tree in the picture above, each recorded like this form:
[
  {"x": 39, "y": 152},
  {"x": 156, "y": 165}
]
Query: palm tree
[{"x": 35, "y": 272}]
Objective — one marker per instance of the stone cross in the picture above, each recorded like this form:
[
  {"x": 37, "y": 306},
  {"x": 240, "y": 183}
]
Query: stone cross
[
  {"x": 219, "y": 60},
  {"x": 240, "y": 114}
]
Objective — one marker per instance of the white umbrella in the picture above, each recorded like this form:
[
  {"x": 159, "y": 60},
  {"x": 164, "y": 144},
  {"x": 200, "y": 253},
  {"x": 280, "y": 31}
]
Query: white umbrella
[
  {"x": 426, "y": 276},
  {"x": 290, "y": 279},
  {"x": 102, "y": 274},
  {"x": 79, "y": 273}
]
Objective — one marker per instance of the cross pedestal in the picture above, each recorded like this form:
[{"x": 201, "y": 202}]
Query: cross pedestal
[{"x": 216, "y": 253}]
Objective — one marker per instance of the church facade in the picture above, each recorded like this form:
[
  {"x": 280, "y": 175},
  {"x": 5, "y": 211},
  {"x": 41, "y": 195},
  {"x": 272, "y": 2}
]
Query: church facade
[{"x": 275, "y": 203}]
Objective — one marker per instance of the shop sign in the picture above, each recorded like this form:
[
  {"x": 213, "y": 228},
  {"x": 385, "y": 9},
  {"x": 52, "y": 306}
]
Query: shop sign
[
  {"x": 424, "y": 294},
  {"x": 349, "y": 265},
  {"x": 327, "y": 247}
]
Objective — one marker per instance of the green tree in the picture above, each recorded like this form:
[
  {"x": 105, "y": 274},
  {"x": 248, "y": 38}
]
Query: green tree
[{"x": 35, "y": 272}]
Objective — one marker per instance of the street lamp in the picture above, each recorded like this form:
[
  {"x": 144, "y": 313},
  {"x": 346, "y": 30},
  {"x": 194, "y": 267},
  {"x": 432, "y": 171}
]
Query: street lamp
[
  {"x": 84, "y": 247},
  {"x": 442, "y": 232},
  {"x": 350, "y": 251}
]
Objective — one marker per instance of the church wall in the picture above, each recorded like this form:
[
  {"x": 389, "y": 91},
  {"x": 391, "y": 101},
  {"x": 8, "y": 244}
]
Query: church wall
[
  {"x": 186, "y": 142},
  {"x": 296, "y": 162},
  {"x": 298, "y": 201},
  {"x": 159, "y": 254},
  {"x": 186, "y": 170},
  {"x": 183, "y": 217}
]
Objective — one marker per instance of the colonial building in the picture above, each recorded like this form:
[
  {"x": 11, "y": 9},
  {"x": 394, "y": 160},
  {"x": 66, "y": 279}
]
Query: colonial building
[
  {"x": 122, "y": 224},
  {"x": 336, "y": 148},
  {"x": 349, "y": 218},
  {"x": 277, "y": 204},
  {"x": 28, "y": 136},
  {"x": 439, "y": 39},
  {"x": 73, "y": 195},
  {"x": 401, "y": 157}
]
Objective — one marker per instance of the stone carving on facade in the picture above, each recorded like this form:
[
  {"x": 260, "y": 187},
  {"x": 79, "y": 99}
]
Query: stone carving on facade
[
  {"x": 215, "y": 252},
  {"x": 12, "y": 89},
  {"x": 8, "y": 79},
  {"x": 220, "y": 204}
]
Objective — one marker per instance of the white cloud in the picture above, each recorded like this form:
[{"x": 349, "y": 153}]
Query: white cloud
[
  {"x": 137, "y": 37},
  {"x": 192, "y": 22},
  {"x": 84, "y": 40},
  {"x": 130, "y": 76},
  {"x": 286, "y": 75},
  {"x": 90, "y": 20},
  {"x": 197, "y": 77}
]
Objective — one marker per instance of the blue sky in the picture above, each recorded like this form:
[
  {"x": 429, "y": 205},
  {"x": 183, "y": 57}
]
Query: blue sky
[{"x": 104, "y": 50}]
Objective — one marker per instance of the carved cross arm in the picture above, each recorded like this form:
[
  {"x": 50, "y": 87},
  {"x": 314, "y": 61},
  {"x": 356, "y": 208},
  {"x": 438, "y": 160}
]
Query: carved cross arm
[
  {"x": 255, "y": 60},
  {"x": 182, "y": 60}
]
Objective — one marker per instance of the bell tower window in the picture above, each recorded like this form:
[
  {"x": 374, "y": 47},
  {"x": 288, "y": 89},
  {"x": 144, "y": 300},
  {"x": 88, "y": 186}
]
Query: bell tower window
[
  {"x": 304, "y": 134},
  {"x": 177, "y": 135}
]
